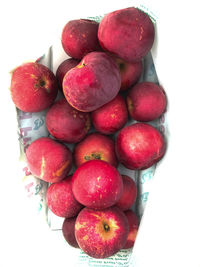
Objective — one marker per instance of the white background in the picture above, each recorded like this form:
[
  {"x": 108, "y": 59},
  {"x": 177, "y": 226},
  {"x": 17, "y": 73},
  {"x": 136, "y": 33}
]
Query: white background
[{"x": 170, "y": 232}]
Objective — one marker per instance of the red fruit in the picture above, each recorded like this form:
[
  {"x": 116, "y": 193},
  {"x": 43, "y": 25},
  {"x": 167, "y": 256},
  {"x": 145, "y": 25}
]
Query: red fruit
[
  {"x": 101, "y": 233},
  {"x": 146, "y": 101},
  {"x": 66, "y": 123},
  {"x": 128, "y": 33},
  {"x": 129, "y": 193},
  {"x": 68, "y": 230},
  {"x": 133, "y": 228},
  {"x": 33, "y": 87},
  {"x": 139, "y": 146},
  {"x": 60, "y": 199},
  {"x": 79, "y": 37},
  {"x": 49, "y": 160},
  {"x": 130, "y": 72},
  {"x": 97, "y": 184},
  {"x": 64, "y": 67},
  {"x": 92, "y": 83},
  {"x": 95, "y": 146},
  {"x": 111, "y": 117}
]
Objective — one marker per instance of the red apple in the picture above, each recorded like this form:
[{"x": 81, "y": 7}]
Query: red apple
[
  {"x": 95, "y": 146},
  {"x": 146, "y": 101},
  {"x": 66, "y": 123},
  {"x": 60, "y": 199},
  {"x": 93, "y": 82},
  {"x": 79, "y": 37},
  {"x": 129, "y": 193},
  {"x": 33, "y": 87},
  {"x": 111, "y": 117},
  {"x": 63, "y": 68},
  {"x": 139, "y": 146},
  {"x": 128, "y": 33},
  {"x": 97, "y": 184},
  {"x": 130, "y": 72},
  {"x": 101, "y": 233},
  {"x": 133, "y": 228},
  {"x": 68, "y": 230},
  {"x": 48, "y": 159}
]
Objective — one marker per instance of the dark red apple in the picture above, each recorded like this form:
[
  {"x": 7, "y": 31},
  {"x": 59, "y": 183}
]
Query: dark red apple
[
  {"x": 60, "y": 199},
  {"x": 68, "y": 230},
  {"x": 139, "y": 146},
  {"x": 63, "y": 68},
  {"x": 101, "y": 233},
  {"x": 66, "y": 123},
  {"x": 146, "y": 101},
  {"x": 48, "y": 159},
  {"x": 97, "y": 184},
  {"x": 129, "y": 195},
  {"x": 79, "y": 37},
  {"x": 110, "y": 117},
  {"x": 128, "y": 33},
  {"x": 95, "y": 146},
  {"x": 130, "y": 72},
  {"x": 33, "y": 87},
  {"x": 92, "y": 83},
  {"x": 133, "y": 228}
]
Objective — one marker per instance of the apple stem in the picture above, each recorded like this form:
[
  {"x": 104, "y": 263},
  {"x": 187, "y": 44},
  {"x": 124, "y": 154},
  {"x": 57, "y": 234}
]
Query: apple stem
[
  {"x": 42, "y": 83},
  {"x": 121, "y": 66},
  {"x": 106, "y": 227},
  {"x": 95, "y": 156}
]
